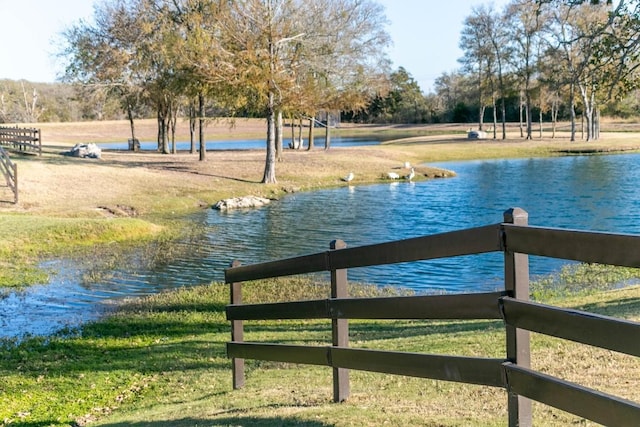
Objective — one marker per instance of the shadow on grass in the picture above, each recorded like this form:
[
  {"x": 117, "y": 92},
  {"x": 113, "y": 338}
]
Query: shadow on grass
[
  {"x": 62, "y": 157},
  {"x": 227, "y": 421},
  {"x": 623, "y": 308},
  {"x": 145, "y": 345}
]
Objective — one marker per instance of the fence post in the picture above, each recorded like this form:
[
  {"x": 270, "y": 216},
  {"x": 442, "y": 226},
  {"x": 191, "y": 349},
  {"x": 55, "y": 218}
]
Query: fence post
[
  {"x": 39, "y": 136},
  {"x": 237, "y": 334},
  {"x": 516, "y": 280},
  {"x": 15, "y": 183},
  {"x": 340, "y": 328}
]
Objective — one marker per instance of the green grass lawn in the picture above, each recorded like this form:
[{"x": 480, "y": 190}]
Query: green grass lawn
[{"x": 161, "y": 361}]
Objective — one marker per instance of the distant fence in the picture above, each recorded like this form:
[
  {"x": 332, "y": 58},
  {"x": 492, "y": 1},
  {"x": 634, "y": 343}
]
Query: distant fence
[
  {"x": 10, "y": 172},
  {"x": 25, "y": 140},
  {"x": 516, "y": 240}
]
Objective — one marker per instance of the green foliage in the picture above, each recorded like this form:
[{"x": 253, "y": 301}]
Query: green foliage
[{"x": 403, "y": 102}]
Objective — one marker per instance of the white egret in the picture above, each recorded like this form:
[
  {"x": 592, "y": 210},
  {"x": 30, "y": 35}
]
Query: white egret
[{"x": 393, "y": 175}]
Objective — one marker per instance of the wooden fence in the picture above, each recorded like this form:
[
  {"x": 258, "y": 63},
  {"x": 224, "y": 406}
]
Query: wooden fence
[
  {"x": 516, "y": 240},
  {"x": 25, "y": 140},
  {"x": 10, "y": 172}
]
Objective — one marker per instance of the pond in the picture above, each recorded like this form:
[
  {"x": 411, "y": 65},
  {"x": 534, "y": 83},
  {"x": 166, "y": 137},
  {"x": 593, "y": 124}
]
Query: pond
[
  {"x": 584, "y": 192},
  {"x": 252, "y": 144}
]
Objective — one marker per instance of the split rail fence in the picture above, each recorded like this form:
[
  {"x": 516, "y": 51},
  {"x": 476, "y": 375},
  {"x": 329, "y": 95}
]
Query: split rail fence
[
  {"x": 516, "y": 239},
  {"x": 25, "y": 140},
  {"x": 10, "y": 172}
]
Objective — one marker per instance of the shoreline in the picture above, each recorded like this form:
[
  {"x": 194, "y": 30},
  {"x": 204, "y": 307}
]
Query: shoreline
[{"x": 134, "y": 197}]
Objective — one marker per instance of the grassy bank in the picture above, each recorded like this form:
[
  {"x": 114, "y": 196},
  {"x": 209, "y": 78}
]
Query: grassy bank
[{"x": 161, "y": 362}]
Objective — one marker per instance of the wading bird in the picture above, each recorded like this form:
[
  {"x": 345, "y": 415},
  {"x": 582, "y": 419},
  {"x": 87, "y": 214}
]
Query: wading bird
[
  {"x": 411, "y": 174},
  {"x": 349, "y": 177}
]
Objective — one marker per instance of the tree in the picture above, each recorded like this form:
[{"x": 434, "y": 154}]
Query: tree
[
  {"x": 102, "y": 57},
  {"x": 525, "y": 24},
  {"x": 485, "y": 38},
  {"x": 600, "y": 49},
  {"x": 322, "y": 51},
  {"x": 477, "y": 60}
]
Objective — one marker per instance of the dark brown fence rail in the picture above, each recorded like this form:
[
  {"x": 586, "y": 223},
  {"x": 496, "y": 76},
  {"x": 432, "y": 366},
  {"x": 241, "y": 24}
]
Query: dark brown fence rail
[
  {"x": 10, "y": 172},
  {"x": 25, "y": 140},
  {"x": 516, "y": 240}
]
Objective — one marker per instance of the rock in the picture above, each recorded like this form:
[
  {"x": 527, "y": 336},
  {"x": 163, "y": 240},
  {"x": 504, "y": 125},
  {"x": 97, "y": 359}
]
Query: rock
[
  {"x": 296, "y": 144},
  {"x": 91, "y": 151},
  {"x": 241, "y": 202},
  {"x": 476, "y": 134}
]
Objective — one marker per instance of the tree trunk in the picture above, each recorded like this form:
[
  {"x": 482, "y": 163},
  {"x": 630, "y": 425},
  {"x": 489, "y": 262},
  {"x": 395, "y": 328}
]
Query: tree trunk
[
  {"x": 495, "y": 118},
  {"x": 201, "y": 113},
  {"x": 527, "y": 97},
  {"x": 588, "y": 102},
  {"x": 503, "y": 111},
  {"x": 572, "y": 109},
  {"x": 312, "y": 124},
  {"x": 540, "y": 123},
  {"x": 521, "y": 116},
  {"x": 327, "y": 134},
  {"x": 279, "y": 136},
  {"x": 162, "y": 130},
  {"x": 173, "y": 118},
  {"x": 554, "y": 118},
  {"x": 134, "y": 145},
  {"x": 480, "y": 97},
  {"x": 192, "y": 128},
  {"x": 270, "y": 161}
]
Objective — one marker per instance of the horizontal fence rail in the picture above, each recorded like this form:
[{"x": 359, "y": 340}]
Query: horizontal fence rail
[
  {"x": 25, "y": 140},
  {"x": 575, "y": 245},
  {"x": 579, "y": 326},
  {"x": 471, "y": 370},
  {"x": 470, "y": 306},
  {"x": 457, "y": 243},
  {"x": 591, "y": 404},
  {"x": 516, "y": 240}
]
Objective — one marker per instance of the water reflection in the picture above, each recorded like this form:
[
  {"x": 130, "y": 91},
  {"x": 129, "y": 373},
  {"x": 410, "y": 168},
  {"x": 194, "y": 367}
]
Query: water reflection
[{"x": 597, "y": 193}]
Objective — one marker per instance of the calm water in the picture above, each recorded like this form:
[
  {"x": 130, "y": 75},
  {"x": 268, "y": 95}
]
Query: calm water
[
  {"x": 592, "y": 192},
  {"x": 249, "y": 144}
]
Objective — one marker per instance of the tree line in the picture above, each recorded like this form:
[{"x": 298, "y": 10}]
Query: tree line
[
  {"x": 542, "y": 58},
  {"x": 272, "y": 58},
  {"x": 551, "y": 59}
]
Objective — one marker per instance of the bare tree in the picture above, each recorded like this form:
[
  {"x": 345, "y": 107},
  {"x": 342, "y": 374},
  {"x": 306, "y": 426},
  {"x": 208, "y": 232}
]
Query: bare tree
[
  {"x": 600, "y": 50},
  {"x": 487, "y": 28}
]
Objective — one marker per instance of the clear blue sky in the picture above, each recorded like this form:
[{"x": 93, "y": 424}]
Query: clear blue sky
[{"x": 425, "y": 35}]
